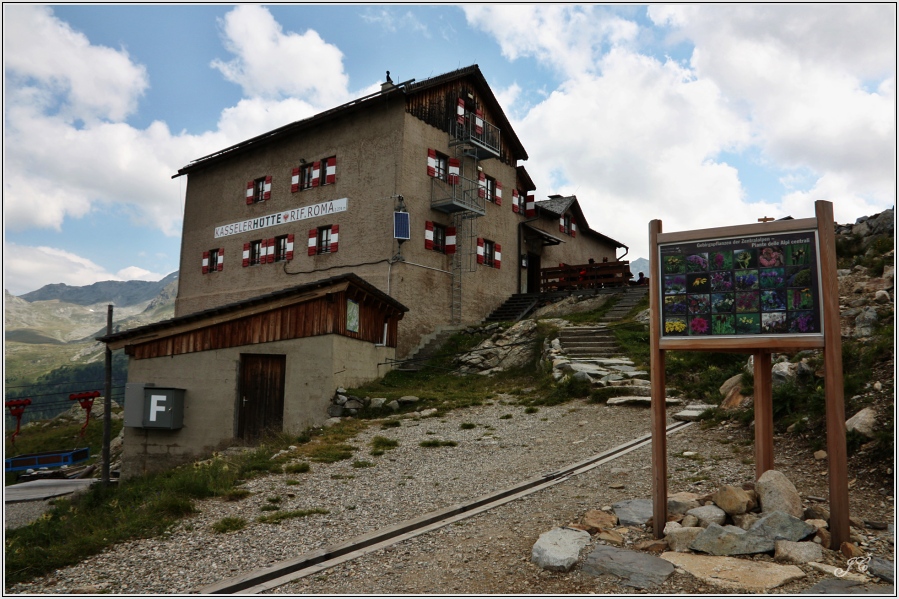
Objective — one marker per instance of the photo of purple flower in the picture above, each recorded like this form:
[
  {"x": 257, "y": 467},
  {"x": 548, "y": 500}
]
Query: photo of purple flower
[
  {"x": 771, "y": 256},
  {"x": 721, "y": 260},
  {"x": 721, "y": 281},
  {"x": 774, "y": 300},
  {"x": 697, "y": 263},
  {"x": 746, "y": 279},
  {"x": 698, "y": 304},
  {"x": 771, "y": 278},
  {"x": 774, "y": 322},
  {"x": 802, "y": 322},
  {"x": 676, "y": 304},
  {"x": 675, "y": 284},
  {"x": 747, "y": 301}
]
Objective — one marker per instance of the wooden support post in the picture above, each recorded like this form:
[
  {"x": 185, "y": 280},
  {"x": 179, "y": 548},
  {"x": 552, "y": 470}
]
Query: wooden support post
[
  {"x": 764, "y": 413},
  {"x": 107, "y": 404},
  {"x": 833, "y": 378},
  {"x": 657, "y": 375}
]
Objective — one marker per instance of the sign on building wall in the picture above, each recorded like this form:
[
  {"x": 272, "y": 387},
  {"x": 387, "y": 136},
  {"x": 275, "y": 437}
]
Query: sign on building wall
[
  {"x": 282, "y": 218},
  {"x": 352, "y": 316},
  {"x": 757, "y": 285}
]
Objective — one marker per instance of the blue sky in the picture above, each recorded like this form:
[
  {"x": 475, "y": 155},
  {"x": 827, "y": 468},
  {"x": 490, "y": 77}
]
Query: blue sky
[{"x": 704, "y": 115}]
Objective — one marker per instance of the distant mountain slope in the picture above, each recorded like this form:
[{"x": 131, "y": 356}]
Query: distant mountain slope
[
  {"x": 640, "y": 265},
  {"x": 120, "y": 293}
]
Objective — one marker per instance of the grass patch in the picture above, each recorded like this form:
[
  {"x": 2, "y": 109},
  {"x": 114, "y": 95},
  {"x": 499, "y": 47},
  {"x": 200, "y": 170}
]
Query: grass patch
[
  {"x": 291, "y": 482},
  {"x": 390, "y": 424},
  {"x": 236, "y": 494},
  {"x": 438, "y": 443},
  {"x": 329, "y": 454},
  {"x": 297, "y": 468},
  {"x": 226, "y": 525},
  {"x": 383, "y": 443},
  {"x": 363, "y": 464},
  {"x": 467, "y": 426},
  {"x": 269, "y": 508},
  {"x": 505, "y": 417},
  {"x": 281, "y": 516}
]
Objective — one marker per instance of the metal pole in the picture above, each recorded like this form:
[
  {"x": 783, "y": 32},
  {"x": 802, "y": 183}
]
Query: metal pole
[{"x": 107, "y": 402}]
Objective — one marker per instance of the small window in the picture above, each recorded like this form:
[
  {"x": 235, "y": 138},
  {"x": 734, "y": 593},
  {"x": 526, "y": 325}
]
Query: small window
[
  {"x": 324, "y": 240},
  {"x": 213, "y": 259},
  {"x": 306, "y": 172},
  {"x": 520, "y": 201},
  {"x": 442, "y": 166},
  {"x": 281, "y": 248},
  {"x": 256, "y": 256},
  {"x": 439, "y": 238},
  {"x": 566, "y": 224},
  {"x": 489, "y": 252},
  {"x": 259, "y": 190},
  {"x": 490, "y": 185}
]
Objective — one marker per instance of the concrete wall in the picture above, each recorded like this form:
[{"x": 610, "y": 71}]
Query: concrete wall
[{"x": 315, "y": 367}]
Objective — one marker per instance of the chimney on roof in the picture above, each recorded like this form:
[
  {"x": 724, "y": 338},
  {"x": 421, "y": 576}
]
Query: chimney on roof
[
  {"x": 554, "y": 196},
  {"x": 387, "y": 85}
]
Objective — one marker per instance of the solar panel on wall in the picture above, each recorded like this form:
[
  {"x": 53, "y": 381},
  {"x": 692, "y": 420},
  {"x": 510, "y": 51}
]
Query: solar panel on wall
[{"x": 401, "y": 225}]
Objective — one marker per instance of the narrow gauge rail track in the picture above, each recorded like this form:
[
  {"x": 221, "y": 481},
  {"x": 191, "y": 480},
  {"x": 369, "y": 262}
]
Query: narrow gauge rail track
[{"x": 285, "y": 571}]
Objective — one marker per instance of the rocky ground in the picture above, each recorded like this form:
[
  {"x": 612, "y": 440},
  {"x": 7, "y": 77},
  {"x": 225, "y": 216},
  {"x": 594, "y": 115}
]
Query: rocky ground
[{"x": 488, "y": 553}]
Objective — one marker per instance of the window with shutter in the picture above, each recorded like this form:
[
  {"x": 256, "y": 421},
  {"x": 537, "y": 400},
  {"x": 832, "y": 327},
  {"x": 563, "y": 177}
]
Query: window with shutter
[
  {"x": 213, "y": 260},
  {"x": 259, "y": 190},
  {"x": 530, "y": 207},
  {"x": 429, "y": 235},
  {"x": 451, "y": 240},
  {"x": 438, "y": 164},
  {"x": 498, "y": 194},
  {"x": 330, "y": 170}
]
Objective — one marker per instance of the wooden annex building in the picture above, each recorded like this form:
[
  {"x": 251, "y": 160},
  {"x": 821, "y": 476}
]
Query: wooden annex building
[{"x": 269, "y": 363}]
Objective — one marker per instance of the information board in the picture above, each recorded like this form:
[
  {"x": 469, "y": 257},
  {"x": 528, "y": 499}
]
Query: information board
[{"x": 741, "y": 286}]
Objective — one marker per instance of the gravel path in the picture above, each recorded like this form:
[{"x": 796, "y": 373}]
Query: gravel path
[{"x": 488, "y": 553}]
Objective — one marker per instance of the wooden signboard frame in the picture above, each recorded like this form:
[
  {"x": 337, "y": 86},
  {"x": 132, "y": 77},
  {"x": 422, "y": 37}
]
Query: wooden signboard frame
[{"x": 761, "y": 346}]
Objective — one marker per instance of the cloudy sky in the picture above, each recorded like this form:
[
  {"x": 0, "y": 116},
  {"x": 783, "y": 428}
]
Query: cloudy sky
[{"x": 701, "y": 116}]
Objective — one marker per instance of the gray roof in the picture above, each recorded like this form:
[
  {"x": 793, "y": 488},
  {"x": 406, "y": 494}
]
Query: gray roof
[{"x": 559, "y": 205}]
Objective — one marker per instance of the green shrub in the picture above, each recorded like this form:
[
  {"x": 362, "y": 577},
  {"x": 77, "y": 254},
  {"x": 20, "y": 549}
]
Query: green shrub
[
  {"x": 229, "y": 525},
  {"x": 332, "y": 453},
  {"x": 362, "y": 464},
  {"x": 438, "y": 443},
  {"x": 467, "y": 425},
  {"x": 383, "y": 443},
  {"x": 297, "y": 468},
  {"x": 281, "y": 516}
]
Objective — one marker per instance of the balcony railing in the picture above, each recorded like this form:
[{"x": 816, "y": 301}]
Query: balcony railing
[
  {"x": 483, "y": 139},
  {"x": 585, "y": 276},
  {"x": 462, "y": 195}
]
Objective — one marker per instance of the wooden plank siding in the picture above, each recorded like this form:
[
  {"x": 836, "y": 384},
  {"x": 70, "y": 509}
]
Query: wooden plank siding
[{"x": 320, "y": 316}]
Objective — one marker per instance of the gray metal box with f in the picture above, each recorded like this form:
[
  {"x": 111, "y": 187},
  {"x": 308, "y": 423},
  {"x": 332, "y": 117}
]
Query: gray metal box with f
[{"x": 163, "y": 408}]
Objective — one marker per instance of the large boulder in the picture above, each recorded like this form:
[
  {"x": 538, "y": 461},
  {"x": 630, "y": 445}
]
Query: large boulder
[
  {"x": 777, "y": 493},
  {"x": 559, "y": 548},
  {"x": 733, "y": 500},
  {"x": 864, "y": 422}
]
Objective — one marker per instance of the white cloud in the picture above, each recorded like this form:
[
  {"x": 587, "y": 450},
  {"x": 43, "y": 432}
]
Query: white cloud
[
  {"x": 97, "y": 83},
  {"x": 136, "y": 273},
  {"x": 29, "y": 268},
  {"x": 392, "y": 22},
  {"x": 271, "y": 64}
]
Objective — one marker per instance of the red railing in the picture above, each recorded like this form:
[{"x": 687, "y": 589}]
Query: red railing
[{"x": 570, "y": 277}]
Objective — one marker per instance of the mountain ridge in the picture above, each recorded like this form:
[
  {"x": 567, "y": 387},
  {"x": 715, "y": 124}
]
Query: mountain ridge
[{"x": 119, "y": 293}]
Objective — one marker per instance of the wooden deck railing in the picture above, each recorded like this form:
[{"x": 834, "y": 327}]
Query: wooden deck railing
[{"x": 570, "y": 277}]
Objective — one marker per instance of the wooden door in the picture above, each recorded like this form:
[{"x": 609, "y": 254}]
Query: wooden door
[{"x": 261, "y": 400}]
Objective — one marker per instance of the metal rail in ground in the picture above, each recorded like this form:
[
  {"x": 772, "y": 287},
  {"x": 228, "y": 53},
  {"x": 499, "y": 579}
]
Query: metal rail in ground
[{"x": 286, "y": 571}]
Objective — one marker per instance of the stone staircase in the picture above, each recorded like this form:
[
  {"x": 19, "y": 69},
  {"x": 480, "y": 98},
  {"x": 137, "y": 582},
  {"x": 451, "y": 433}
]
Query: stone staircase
[
  {"x": 588, "y": 342},
  {"x": 515, "y": 308},
  {"x": 630, "y": 297},
  {"x": 429, "y": 346}
]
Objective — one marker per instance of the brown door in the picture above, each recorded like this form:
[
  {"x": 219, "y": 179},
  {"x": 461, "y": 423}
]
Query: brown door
[
  {"x": 261, "y": 400},
  {"x": 533, "y": 273}
]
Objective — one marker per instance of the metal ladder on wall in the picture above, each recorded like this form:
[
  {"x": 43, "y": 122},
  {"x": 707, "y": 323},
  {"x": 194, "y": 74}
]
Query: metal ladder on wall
[{"x": 464, "y": 258}]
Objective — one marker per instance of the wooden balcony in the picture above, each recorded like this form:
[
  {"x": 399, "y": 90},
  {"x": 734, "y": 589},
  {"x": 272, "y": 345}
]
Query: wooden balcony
[{"x": 572, "y": 277}]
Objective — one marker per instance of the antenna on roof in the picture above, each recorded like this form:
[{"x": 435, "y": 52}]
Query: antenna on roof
[{"x": 389, "y": 80}]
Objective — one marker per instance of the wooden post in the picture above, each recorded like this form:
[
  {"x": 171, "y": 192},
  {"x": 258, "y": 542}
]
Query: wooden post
[
  {"x": 764, "y": 413},
  {"x": 107, "y": 404},
  {"x": 657, "y": 375},
  {"x": 833, "y": 378}
]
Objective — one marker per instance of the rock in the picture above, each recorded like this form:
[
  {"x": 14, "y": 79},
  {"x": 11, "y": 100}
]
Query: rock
[
  {"x": 820, "y": 455},
  {"x": 335, "y": 410},
  {"x": 340, "y": 399},
  {"x": 864, "y": 422},
  {"x": 692, "y": 413},
  {"x": 735, "y": 400},
  {"x": 777, "y": 493},
  {"x": 797, "y": 553},
  {"x": 780, "y": 525},
  {"x": 851, "y": 550},
  {"x": 610, "y": 536},
  {"x": 680, "y": 539},
  {"x": 882, "y": 569},
  {"x": 733, "y": 500},
  {"x": 865, "y": 321},
  {"x": 838, "y": 572},
  {"x": 600, "y": 520},
  {"x": 394, "y": 405},
  {"x": 681, "y": 503},
  {"x": 745, "y": 521},
  {"x": 428, "y": 412},
  {"x": 734, "y": 381},
  {"x": 783, "y": 373},
  {"x": 669, "y": 526},
  {"x": 635, "y": 569},
  {"x": 559, "y": 548},
  {"x": 817, "y": 523},
  {"x": 730, "y": 540},
  {"x": 408, "y": 399},
  {"x": 840, "y": 586},
  {"x": 689, "y": 521},
  {"x": 632, "y": 512},
  {"x": 652, "y": 545},
  {"x": 822, "y": 537},
  {"x": 332, "y": 421},
  {"x": 882, "y": 297},
  {"x": 732, "y": 573},
  {"x": 582, "y": 377},
  {"x": 377, "y": 402},
  {"x": 708, "y": 514},
  {"x": 353, "y": 404},
  {"x": 816, "y": 512},
  {"x": 616, "y": 486},
  {"x": 638, "y": 400}
]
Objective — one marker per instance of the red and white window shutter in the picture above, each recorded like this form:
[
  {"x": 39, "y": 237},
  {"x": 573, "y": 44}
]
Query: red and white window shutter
[
  {"x": 573, "y": 229},
  {"x": 562, "y": 224},
  {"x": 454, "y": 168},
  {"x": 429, "y": 235},
  {"x": 479, "y": 122},
  {"x": 480, "y": 250},
  {"x": 334, "y": 231},
  {"x": 205, "y": 262},
  {"x": 331, "y": 170},
  {"x": 267, "y": 188},
  {"x": 295, "y": 180},
  {"x": 313, "y": 242},
  {"x": 497, "y": 255},
  {"x": 530, "y": 208},
  {"x": 515, "y": 201},
  {"x": 246, "y": 254},
  {"x": 460, "y": 111},
  {"x": 221, "y": 263},
  {"x": 288, "y": 253},
  {"x": 498, "y": 196},
  {"x": 251, "y": 190},
  {"x": 316, "y": 173},
  {"x": 270, "y": 254},
  {"x": 451, "y": 240},
  {"x": 432, "y": 162},
  {"x": 482, "y": 185}
]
